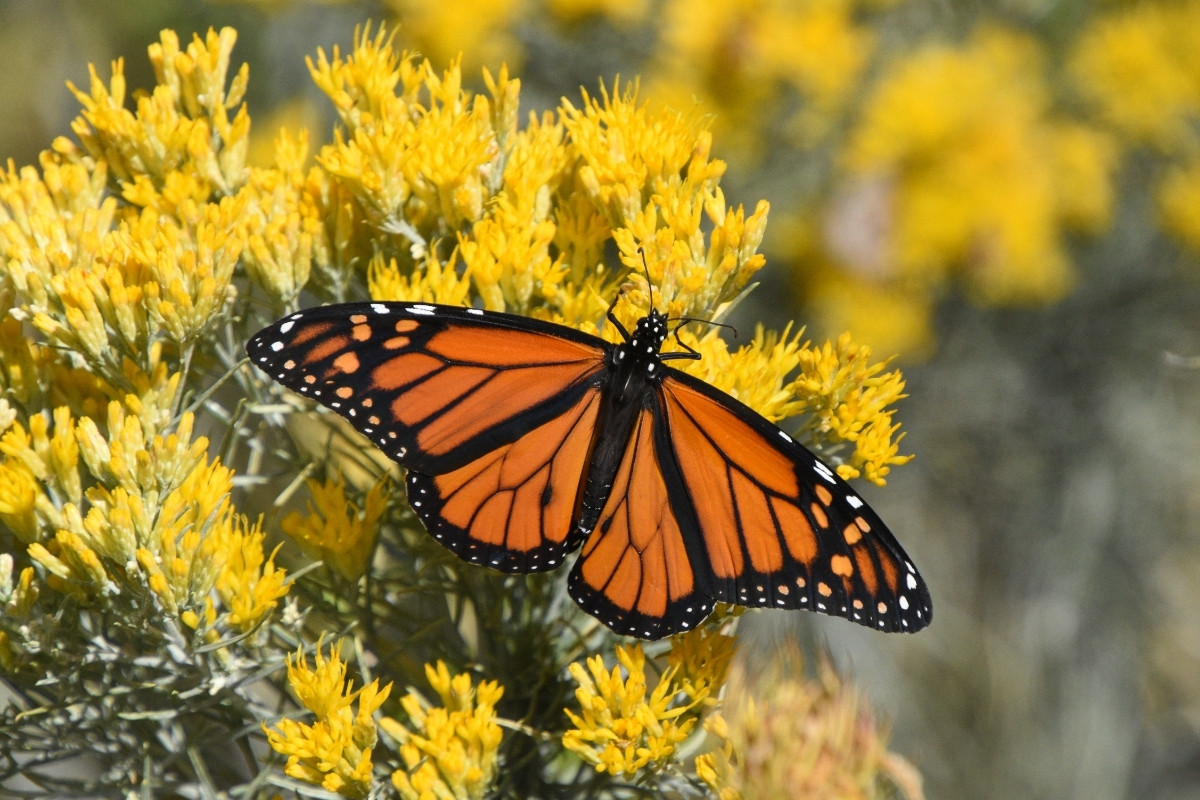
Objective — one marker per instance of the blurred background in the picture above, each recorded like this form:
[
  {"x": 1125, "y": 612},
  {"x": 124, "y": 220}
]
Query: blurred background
[{"x": 1006, "y": 195}]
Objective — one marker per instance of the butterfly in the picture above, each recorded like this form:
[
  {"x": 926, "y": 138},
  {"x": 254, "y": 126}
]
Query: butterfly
[{"x": 525, "y": 440}]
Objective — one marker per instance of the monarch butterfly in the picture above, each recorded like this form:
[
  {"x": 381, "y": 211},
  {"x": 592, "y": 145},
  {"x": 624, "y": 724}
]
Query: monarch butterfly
[{"x": 525, "y": 440}]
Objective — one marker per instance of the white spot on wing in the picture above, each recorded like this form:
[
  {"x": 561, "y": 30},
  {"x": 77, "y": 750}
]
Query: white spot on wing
[
  {"x": 422, "y": 309},
  {"x": 854, "y": 501},
  {"x": 287, "y": 326}
]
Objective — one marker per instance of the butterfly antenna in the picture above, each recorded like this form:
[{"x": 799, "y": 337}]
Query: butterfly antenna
[{"x": 646, "y": 269}]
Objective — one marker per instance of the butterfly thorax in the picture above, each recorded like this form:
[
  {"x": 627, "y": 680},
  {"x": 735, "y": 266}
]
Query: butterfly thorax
[
  {"x": 630, "y": 387},
  {"x": 636, "y": 361}
]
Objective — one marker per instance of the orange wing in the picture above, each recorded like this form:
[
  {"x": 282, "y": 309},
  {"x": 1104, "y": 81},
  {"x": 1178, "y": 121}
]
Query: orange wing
[
  {"x": 779, "y": 528},
  {"x": 640, "y": 570},
  {"x": 512, "y": 508},
  {"x": 494, "y": 415}
]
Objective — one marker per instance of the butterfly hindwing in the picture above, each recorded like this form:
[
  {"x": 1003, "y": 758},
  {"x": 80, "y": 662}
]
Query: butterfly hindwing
[
  {"x": 635, "y": 571},
  {"x": 512, "y": 508},
  {"x": 779, "y": 528}
]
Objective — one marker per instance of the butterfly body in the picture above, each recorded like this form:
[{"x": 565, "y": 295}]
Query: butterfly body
[{"x": 525, "y": 441}]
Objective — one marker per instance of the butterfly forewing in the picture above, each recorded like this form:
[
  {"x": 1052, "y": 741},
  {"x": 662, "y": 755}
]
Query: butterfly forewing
[
  {"x": 780, "y": 528},
  {"x": 434, "y": 387}
]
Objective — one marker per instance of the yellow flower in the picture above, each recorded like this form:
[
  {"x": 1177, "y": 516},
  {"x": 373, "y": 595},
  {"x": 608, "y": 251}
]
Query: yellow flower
[
  {"x": 978, "y": 178},
  {"x": 181, "y": 128},
  {"x": 18, "y": 495},
  {"x": 250, "y": 585},
  {"x": 445, "y": 31},
  {"x": 847, "y": 397},
  {"x": 436, "y": 283},
  {"x": 701, "y": 658},
  {"x": 284, "y": 225},
  {"x": 335, "y": 530},
  {"x": 335, "y": 750},
  {"x": 1179, "y": 202},
  {"x": 619, "y": 730},
  {"x": 415, "y": 166},
  {"x": 448, "y": 751},
  {"x": 1138, "y": 66},
  {"x": 808, "y": 738}
]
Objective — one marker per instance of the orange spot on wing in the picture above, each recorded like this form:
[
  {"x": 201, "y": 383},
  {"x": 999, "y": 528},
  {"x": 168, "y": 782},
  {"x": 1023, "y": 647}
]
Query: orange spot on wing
[
  {"x": 735, "y": 441},
  {"x": 841, "y": 565},
  {"x": 550, "y": 457},
  {"x": 330, "y": 346},
  {"x": 866, "y": 570},
  {"x": 347, "y": 363},
  {"x": 824, "y": 495},
  {"x": 851, "y": 534},
  {"x": 309, "y": 331},
  {"x": 431, "y": 395},
  {"x": 819, "y": 515},
  {"x": 490, "y": 525}
]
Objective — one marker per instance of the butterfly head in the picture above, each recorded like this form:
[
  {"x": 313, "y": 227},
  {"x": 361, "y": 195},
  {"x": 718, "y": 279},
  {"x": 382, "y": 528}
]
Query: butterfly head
[{"x": 639, "y": 353}]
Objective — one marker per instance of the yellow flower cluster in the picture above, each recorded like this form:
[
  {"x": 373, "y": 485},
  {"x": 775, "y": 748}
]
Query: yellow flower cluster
[
  {"x": 335, "y": 530},
  {"x": 1137, "y": 67},
  {"x": 449, "y": 750},
  {"x": 158, "y": 517},
  {"x": 106, "y": 302},
  {"x": 526, "y": 213},
  {"x": 814, "y": 738},
  {"x": 738, "y": 59},
  {"x": 848, "y": 399},
  {"x": 335, "y": 750},
  {"x": 980, "y": 177},
  {"x": 621, "y": 731}
]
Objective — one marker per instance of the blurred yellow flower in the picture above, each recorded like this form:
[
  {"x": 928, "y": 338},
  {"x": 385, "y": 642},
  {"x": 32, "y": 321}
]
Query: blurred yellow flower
[
  {"x": 335, "y": 530},
  {"x": 809, "y": 738},
  {"x": 979, "y": 179},
  {"x": 1138, "y": 66},
  {"x": 735, "y": 60},
  {"x": 1179, "y": 202}
]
